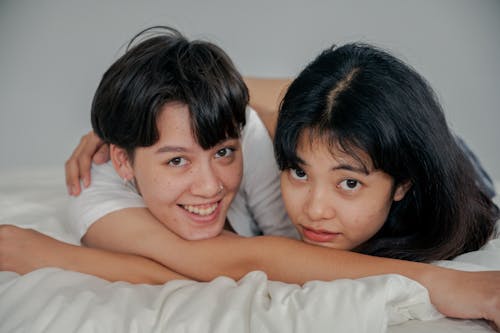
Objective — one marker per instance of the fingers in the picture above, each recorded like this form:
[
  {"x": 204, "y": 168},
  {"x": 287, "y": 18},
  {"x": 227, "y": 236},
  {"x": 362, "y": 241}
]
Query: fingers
[
  {"x": 72, "y": 174},
  {"x": 102, "y": 155},
  {"x": 77, "y": 167}
]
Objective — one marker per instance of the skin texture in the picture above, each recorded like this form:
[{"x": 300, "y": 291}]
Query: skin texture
[
  {"x": 187, "y": 188},
  {"x": 25, "y": 250},
  {"x": 334, "y": 200}
]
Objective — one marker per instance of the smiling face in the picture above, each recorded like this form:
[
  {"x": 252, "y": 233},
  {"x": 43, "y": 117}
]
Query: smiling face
[
  {"x": 332, "y": 199},
  {"x": 187, "y": 188}
]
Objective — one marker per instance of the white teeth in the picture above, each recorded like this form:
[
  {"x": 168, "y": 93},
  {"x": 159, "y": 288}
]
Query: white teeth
[{"x": 201, "y": 211}]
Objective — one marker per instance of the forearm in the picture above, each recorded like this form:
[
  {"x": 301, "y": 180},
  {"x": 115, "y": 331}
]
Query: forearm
[
  {"x": 116, "y": 266},
  {"x": 266, "y": 93},
  {"x": 134, "y": 231},
  {"x": 265, "y": 98},
  {"x": 280, "y": 258},
  {"x": 25, "y": 250}
]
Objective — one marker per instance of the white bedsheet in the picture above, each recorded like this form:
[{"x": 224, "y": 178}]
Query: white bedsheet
[{"x": 55, "y": 300}]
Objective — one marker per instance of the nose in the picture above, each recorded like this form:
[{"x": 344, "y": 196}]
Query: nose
[
  {"x": 319, "y": 204},
  {"x": 206, "y": 182}
]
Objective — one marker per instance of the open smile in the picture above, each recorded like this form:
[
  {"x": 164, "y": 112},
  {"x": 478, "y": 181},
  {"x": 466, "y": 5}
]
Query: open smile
[{"x": 201, "y": 210}]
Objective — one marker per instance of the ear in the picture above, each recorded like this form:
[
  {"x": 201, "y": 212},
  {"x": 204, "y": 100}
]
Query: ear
[
  {"x": 121, "y": 162},
  {"x": 401, "y": 190}
]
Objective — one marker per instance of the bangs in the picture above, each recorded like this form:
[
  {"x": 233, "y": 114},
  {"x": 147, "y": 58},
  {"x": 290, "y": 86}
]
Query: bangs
[
  {"x": 317, "y": 136},
  {"x": 214, "y": 91},
  {"x": 215, "y": 117}
]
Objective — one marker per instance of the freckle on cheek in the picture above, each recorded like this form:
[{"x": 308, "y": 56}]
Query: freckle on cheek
[{"x": 157, "y": 181}]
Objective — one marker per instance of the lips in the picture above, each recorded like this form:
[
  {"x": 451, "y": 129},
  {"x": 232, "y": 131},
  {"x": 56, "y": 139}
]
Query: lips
[
  {"x": 319, "y": 236},
  {"x": 201, "y": 210}
]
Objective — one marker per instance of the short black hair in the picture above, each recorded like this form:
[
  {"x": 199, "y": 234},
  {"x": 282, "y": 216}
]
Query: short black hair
[
  {"x": 161, "y": 66},
  {"x": 360, "y": 97}
]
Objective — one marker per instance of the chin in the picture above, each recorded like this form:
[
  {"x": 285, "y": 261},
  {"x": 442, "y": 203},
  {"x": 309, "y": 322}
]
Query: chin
[
  {"x": 202, "y": 234},
  {"x": 323, "y": 244}
]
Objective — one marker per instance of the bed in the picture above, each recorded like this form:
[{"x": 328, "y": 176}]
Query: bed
[{"x": 55, "y": 300}]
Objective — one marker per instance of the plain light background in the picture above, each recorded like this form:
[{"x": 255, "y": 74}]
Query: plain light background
[{"x": 53, "y": 53}]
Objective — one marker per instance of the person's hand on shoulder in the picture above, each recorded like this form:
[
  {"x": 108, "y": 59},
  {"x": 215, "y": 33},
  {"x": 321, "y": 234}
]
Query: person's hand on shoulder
[{"x": 90, "y": 149}]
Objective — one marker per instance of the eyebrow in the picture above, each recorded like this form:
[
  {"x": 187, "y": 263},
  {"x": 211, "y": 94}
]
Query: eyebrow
[
  {"x": 349, "y": 167},
  {"x": 180, "y": 149},
  {"x": 171, "y": 149},
  {"x": 343, "y": 166}
]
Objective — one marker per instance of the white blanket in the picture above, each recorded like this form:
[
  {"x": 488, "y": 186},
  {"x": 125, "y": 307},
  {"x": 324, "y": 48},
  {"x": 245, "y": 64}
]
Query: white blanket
[{"x": 55, "y": 300}]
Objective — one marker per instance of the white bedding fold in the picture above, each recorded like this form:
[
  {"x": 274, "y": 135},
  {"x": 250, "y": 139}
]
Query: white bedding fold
[{"x": 54, "y": 300}]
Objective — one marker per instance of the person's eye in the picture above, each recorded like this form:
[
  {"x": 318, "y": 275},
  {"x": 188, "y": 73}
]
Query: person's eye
[
  {"x": 298, "y": 174},
  {"x": 349, "y": 184},
  {"x": 224, "y": 152},
  {"x": 177, "y": 162}
]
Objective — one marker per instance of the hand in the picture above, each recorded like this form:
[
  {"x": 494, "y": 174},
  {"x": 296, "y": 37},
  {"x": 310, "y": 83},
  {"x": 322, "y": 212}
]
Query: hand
[
  {"x": 90, "y": 149},
  {"x": 25, "y": 250},
  {"x": 468, "y": 295}
]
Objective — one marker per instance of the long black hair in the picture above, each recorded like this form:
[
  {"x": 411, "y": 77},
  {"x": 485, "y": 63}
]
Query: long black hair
[
  {"x": 160, "y": 66},
  {"x": 360, "y": 97}
]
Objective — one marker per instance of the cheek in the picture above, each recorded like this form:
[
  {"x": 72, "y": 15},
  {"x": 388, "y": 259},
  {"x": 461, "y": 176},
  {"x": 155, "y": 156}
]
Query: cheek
[
  {"x": 369, "y": 217},
  {"x": 234, "y": 178},
  {"x": 293, "y": 199},
  {"x": 158, "y": 189},
  {"x": 231, "y": 175}
]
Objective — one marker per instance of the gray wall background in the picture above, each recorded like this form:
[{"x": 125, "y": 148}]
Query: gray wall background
[{"x": 53, "y": 53}]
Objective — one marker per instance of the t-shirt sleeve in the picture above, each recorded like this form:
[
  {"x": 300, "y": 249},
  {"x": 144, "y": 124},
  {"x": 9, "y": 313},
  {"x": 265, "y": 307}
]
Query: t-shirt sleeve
[
  {"x": 258, "y": 207},
  {"x": 107, "y": 193}
]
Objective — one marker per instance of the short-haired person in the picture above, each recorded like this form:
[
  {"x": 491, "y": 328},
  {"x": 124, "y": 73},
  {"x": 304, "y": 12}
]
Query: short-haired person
[{"x": 207, "y": 116}]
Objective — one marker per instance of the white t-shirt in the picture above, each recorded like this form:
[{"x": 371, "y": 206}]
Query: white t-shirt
[{"x": 256, "y": 209}]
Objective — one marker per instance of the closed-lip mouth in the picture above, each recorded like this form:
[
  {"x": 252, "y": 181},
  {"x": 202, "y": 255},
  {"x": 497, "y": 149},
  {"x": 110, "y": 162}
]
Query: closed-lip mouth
[
  {"x": 318, "y": 236},
  {"x": 319, "y": 231}
]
